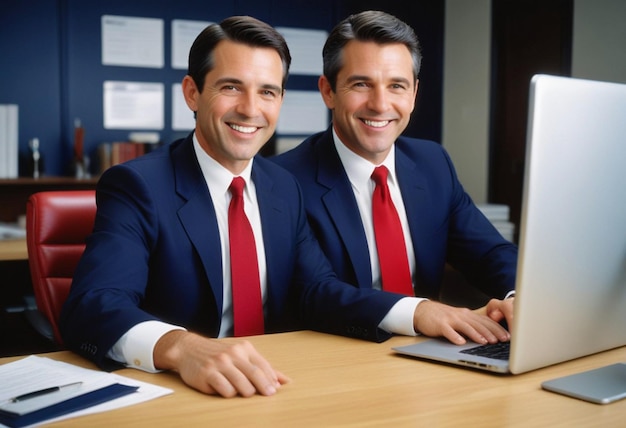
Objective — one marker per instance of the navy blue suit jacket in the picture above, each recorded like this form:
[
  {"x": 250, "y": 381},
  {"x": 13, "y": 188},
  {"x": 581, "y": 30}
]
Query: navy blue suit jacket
[
  {"x": 445, "y": 224},
  {"x": 155, "y": 255}
]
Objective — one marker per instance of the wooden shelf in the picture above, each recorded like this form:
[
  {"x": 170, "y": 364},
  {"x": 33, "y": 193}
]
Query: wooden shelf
[{"x": 14, "y": 192}]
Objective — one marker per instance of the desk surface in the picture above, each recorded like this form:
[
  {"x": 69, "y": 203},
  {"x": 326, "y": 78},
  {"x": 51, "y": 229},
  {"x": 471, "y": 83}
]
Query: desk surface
[
  {"x": 338, "y": 381},
  {"x": 13, "y": 249}
]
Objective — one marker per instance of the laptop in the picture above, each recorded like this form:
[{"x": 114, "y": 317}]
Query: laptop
[{"x": 571, "y": 280}]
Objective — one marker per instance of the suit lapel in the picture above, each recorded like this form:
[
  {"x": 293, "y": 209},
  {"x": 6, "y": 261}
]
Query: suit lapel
[
  {"x": 331, "y": 174},
  {"x": 272, "y": 210},
  {"x": 197, "y": 215}
]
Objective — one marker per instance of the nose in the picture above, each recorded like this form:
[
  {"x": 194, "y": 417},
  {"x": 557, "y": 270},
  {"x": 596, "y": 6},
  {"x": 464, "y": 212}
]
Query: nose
[
  {"x": 378, "y": 100},
  {"x": 248, "y": 105}
]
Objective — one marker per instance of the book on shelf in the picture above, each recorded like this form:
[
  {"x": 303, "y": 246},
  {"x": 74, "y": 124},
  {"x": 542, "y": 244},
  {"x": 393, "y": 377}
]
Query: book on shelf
[
  {"x": 498, "y": 215},
  {"x": 9, "y": 153},
  {"x": 118, "y": 152}
]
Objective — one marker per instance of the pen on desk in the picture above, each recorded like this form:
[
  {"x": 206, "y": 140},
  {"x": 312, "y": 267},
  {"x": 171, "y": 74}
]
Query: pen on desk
[{"x": 41, "y": 392}]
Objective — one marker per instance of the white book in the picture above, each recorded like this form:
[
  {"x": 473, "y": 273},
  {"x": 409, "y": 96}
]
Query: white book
[
  {"x": 4, "y": 142},
  {"x": 494, "y": 212},
  {"x": 12, "y": 159}
]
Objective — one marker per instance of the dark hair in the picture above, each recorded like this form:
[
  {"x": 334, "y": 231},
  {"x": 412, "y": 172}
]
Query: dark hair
[
  {"x": 371, "y": 25},
  {"x": 241, "y": 29}
]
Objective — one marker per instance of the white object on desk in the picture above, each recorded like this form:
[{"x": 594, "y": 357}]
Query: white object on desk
[
  {"x": 11, "y": 231},
  {"x": 34, "y": 373}
]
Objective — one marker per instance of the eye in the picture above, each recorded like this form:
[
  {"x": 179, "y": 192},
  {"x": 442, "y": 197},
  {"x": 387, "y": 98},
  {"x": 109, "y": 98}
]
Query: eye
[
  {"x": 360, "y": 86},
  {"x": 268, "y": 93}
]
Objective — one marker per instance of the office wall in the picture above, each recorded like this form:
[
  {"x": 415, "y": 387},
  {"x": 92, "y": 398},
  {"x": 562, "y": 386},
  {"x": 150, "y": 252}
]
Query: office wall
[
  {"x": 466, "y": 81},
  {"x": 597, "y": 53},
  {"x": 598, "y": 50},
  {"x": 30, "y": 73},
  {"x": 51, "y": 60}
]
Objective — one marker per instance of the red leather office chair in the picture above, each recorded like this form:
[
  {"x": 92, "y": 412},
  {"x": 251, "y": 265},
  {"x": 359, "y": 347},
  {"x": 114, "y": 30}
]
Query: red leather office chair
[{"x": 57, "y": 224}]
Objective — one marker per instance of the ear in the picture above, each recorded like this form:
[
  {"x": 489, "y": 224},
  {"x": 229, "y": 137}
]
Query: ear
[
  {"x": 327, "y": 93},
  {"x": 191, "y": 93}
]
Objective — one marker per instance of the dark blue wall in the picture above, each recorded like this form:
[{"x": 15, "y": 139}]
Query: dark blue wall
[{"x": 51, "y": 60}]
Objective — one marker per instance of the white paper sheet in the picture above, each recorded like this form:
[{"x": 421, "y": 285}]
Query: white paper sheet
[
  {"x": 184, "y": 32},
  {"x": 182, "y": 116},
  {"x": 306, "y": 47},
  {"x": 132, "y": 42},
  {"x": 34, "y": 373},
  {"x": 302, "y": 113},
  {"x": 133, "y": 105}
]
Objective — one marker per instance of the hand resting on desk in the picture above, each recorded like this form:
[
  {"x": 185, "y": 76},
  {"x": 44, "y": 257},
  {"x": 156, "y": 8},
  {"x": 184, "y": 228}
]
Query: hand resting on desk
[
  {"x": 218, "y": 367},
  {"x": 459, "y": 324}
]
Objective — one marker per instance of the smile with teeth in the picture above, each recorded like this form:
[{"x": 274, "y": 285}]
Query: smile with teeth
[
  {"x": 243, "y": 129},
  {"x": 376, "y": 123}
]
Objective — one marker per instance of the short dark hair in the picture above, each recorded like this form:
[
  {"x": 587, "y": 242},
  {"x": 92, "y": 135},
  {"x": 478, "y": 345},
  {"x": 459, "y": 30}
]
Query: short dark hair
[
  {"x": 241, "y": 29},
  {"x": 371, "y": 25}
]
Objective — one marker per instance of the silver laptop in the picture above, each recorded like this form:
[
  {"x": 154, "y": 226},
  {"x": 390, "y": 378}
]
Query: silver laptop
[{"x": 571, "y": 279}]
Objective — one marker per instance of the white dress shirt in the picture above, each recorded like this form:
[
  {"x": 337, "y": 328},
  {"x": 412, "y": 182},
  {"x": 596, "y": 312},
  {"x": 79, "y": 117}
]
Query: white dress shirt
[
  {"x": 400, "y": 318},
  {"x": 135, "y": 348}
]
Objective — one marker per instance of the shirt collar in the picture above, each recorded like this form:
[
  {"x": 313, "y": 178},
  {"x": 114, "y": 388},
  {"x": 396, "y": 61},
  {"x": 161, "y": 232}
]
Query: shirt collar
[
  {"x": 217, "y": 177},
  {"x": 358, "y": 169}
]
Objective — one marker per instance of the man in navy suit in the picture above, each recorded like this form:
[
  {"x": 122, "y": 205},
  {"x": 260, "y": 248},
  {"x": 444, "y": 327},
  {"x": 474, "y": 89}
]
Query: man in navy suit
[
  {"x": 153, "y": 288},
  {"x": 370, "y": 82}
]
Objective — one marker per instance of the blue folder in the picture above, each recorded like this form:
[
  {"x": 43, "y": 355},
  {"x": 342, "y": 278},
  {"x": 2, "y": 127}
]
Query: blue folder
[{"x": 70, "y": 405}]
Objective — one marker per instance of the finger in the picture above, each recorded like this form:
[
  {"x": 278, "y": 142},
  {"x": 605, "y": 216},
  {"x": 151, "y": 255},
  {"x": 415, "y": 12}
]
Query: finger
[
  {"x": 474, "y": 335},
  {"x": 282, "y": 378},
  {"x": 264, "y": 378},
  {"x": 241, "y": 382},
  {"x": 496, "y": 315},
  {"x": 219, "y": 384},
  {"x": 502, "y": 311},
  {"x": 494, "y": 331},
  {"x": 481, "y": 329},
  {"x": 453, "y": 336}
]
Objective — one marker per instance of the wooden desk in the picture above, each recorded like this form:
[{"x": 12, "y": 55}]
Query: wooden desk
[
  {"x": 338, "y": 381},
  {"x": 13, "y": 249}
]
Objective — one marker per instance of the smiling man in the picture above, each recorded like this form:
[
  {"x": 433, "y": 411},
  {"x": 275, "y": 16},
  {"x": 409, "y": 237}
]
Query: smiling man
[
  {"x": 361, "y": 168},
  {"x": 154, "y": 283}
]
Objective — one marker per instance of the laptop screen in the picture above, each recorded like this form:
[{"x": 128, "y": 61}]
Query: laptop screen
[{"x": 571, "y": 279}]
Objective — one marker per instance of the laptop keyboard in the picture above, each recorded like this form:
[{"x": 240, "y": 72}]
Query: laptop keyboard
[{"x": 498, "y": 351}]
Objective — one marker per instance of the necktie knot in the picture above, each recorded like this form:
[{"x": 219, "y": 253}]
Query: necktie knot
[
  {"x": 236, "y": 187},
  {"x": 380, "y": 175}
]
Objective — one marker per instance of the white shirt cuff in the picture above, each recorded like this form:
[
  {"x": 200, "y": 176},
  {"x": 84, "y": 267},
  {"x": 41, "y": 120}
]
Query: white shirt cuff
[
  {"x": 509, "y": 294},
  {"x": 399, "y": 319},
  {"x": 135, "y": 348}
]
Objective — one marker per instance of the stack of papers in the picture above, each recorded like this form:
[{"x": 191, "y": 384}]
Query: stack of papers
[
  {"x": 498, "y": 215},
  {"x": 38, "y": 389},
  {"x": 11, "y": 231}
]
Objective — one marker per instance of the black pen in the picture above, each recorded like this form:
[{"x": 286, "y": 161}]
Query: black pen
[{"x": 40, "y": 392}]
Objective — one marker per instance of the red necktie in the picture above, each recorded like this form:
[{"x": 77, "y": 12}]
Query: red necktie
[
  {"x": 246, "y": 286},
  {"x": 394, "y": 265}
]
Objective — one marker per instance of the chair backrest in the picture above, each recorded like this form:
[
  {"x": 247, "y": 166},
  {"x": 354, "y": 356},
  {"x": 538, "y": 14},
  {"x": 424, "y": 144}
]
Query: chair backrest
[{"x": 57, "y": 224}]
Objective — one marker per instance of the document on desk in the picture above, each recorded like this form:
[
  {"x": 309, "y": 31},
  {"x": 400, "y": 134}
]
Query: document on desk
[{"x": 38, "y": 389}]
